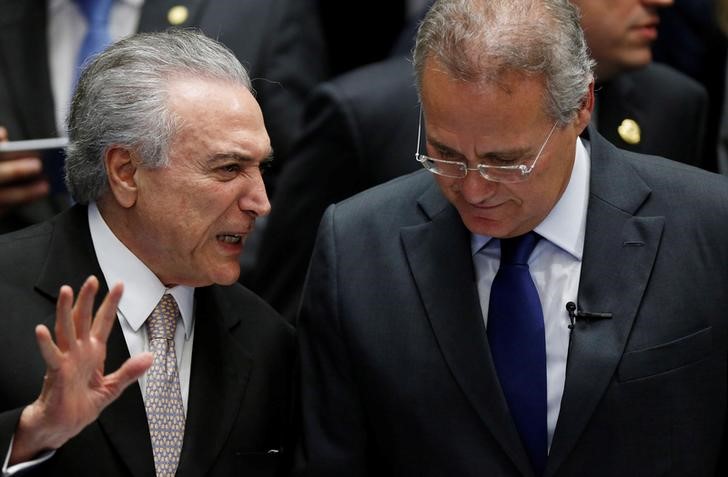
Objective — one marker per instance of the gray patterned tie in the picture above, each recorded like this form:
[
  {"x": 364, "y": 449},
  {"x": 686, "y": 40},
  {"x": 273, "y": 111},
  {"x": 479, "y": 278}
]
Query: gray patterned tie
[{"x": 165, "y": 412}]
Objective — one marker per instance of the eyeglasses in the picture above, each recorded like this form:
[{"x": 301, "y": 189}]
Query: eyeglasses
[{"x": 459, "y": 169}]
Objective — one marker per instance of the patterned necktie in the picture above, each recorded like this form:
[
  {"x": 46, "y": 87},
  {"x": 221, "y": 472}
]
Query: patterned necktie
[
  {"x": 97, "y": 32},
  {"x": 165, "y": 412},
  {"x": 518, "y": 345}
]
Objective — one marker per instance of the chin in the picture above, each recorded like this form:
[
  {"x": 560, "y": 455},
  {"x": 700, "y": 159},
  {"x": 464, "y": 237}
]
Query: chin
[{"x": 226, "y": 277}]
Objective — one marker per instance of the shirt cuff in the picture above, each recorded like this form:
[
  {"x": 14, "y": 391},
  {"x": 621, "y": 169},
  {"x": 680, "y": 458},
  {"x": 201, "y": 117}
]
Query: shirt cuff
[{"x": 7, "y": 471}]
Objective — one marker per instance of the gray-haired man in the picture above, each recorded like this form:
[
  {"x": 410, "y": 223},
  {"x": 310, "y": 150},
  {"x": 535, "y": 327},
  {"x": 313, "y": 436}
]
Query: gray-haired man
[
  {"x": 164, "y": 163},
  {"x": 536, "y": 302}
]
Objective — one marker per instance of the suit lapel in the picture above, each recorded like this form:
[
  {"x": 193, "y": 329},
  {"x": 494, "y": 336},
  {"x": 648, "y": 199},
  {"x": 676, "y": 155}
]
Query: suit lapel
[
  {"x": 71, "y": 259},
  {"x": 219, "y": 377},
  {"x": 438, "y": 252},
  {"x": 22, "y": 36},
  {"x": 619, "y": 252}
]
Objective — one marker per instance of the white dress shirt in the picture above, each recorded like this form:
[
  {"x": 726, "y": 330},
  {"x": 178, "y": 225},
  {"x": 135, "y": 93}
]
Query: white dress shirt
[
  {"x": 555, "y": 266},
  {"x": 66, "y": 27}
]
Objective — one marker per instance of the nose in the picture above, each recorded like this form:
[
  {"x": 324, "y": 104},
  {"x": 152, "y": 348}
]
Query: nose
[
  {"x": 254, "y": 200},
  {"x": 475, "y": 189}
]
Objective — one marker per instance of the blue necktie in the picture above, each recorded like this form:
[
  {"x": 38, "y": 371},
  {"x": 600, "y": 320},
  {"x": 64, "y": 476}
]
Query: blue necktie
[
  {"x": 97, "y": 34},
  {"x": 518, "y": 345}
]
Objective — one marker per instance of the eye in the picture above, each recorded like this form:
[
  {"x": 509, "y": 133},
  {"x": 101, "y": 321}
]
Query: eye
[
  {"x": 445, "y": 154},
  {"x": 229, "y": 171},
  {"x": 231, "y": 168},
  {"x": 503, "y": 160}
]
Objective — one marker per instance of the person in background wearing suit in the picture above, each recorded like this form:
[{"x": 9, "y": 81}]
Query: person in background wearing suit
[
  {"x": 43, "y": 43},
  {"x": 166, "y": 145},
  {"x": 641, "y": 106},
  {"x": 536, "y": 302}
]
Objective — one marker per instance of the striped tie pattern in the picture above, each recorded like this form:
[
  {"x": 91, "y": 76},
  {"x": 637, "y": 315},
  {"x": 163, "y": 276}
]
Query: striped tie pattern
[{"x": 165, "y": 412}]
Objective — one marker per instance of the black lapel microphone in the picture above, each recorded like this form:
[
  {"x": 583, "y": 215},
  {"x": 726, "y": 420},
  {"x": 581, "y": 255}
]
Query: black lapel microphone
[{"x": 575, "y": 314}]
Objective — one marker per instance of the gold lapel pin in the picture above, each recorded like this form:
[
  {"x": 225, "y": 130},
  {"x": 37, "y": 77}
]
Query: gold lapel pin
[
  {"x": 630, "y": 131},
  {"x": 177, "y": 15}
]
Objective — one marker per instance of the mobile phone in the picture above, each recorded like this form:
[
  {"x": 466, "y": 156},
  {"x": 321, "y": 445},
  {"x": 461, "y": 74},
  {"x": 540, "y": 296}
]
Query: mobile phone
[{"x": 52, "y": 151}]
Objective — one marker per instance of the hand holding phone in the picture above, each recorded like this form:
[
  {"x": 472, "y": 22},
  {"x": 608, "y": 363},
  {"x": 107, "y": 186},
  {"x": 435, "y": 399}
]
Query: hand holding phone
[{"x": 30, "y": 169}]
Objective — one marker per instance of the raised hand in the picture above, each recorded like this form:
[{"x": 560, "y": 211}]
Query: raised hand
[{"x": 75, "y": 389}]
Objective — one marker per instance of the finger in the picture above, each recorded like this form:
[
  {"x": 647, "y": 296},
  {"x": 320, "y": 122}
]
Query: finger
[
  {"x": 16, "y": 169},
  {"x": 83, "y": 309},
  {"x": 64, "y": 324},
  {"x": 48, "y": 349},
  {"x": 3, "y": 134},
  {"x": 106, "y": 314},
  {"x": 132, "y": 369},
  {"x": 15, "y": 195}
]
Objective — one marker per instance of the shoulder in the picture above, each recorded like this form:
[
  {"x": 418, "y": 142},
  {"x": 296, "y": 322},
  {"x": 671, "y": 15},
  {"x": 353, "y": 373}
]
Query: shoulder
[
  {"x": 684, "y": 193},
  {"x": 235, "y": 302},
  {"x": 22, "y": 253},
  {"x": 378, "y": 214},
  {"x": 389, "y": 82},
  {"x": 659, "y": 79}
]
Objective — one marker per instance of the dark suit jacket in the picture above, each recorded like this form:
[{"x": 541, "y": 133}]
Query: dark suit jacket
[
  {"x": 670, "y": 108},
  {"x": 361, "y": 130},
  {"x": 238, "y": 417},
  {"x": 397, "y": 376},
  {"x": 279, "y": 41}
]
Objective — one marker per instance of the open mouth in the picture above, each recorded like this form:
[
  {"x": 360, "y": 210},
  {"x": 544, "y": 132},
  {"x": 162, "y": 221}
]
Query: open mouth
[{"x": 230, "y": 238}]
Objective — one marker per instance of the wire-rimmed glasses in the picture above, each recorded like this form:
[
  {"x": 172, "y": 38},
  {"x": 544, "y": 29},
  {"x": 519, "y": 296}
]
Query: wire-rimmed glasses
[{"x": 458, "y": 169}]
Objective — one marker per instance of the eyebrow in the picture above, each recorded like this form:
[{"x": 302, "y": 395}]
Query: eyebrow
[
  {"x": 500, "y": 155},
  {"x": 225, "y": 156}
]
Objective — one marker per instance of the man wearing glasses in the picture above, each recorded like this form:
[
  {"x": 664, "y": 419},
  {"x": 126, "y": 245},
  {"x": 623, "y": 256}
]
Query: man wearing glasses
[{"x": 537, "y": 302}]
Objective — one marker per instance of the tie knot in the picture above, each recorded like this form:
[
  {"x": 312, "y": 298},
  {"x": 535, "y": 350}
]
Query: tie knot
[
  {"x": 516, "y": 250},
  {"x": 95, "y": 11},
  {"x": 162, "y": 323}
]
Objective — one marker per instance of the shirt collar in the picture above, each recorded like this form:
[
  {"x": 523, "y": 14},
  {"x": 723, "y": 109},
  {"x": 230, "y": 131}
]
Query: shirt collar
[
  {"x": 565, "y": 225},
  {"x": 142, "y": 288}
]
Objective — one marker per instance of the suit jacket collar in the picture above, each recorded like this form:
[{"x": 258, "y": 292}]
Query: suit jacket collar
[
  {"x": 220, "y": 374},
  {"x": 220, "y": 367},
  {"x": 619, "y": 250},
  {"x": 437, "y": 248}
]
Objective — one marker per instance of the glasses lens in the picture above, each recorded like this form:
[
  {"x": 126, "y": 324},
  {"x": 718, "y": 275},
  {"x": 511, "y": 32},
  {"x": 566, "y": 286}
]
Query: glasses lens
[
  {"x": 443, "y": 168},
  {"x": 504, "y": 174}
]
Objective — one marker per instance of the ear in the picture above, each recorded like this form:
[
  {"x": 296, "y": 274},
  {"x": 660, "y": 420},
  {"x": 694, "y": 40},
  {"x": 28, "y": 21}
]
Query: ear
[
  {"x": 583, "y": 116},
  {"x": 121, "y": 166}
]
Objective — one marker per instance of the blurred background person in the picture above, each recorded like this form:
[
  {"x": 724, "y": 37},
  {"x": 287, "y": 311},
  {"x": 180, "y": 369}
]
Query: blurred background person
[
  {"x": 641, "y": 106},
  {"x": 691, "y": 41}
]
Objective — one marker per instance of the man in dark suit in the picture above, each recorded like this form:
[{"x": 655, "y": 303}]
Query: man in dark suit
[
  {"x": 166, "y": 144},
  {"x": 360, "y": 127},
  {"x": 417, "y": 360},
  {"x": 279, "y": 41}
]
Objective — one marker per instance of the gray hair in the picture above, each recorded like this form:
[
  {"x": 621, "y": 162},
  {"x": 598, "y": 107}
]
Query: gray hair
[
  {"x": 479, "y": 40},
  {"x": 121, "y": 100}
]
